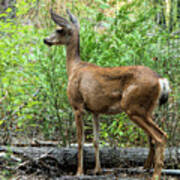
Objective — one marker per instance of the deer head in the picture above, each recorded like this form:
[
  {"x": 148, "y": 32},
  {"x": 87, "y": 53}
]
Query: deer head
[{"x": 66, "y": 31}]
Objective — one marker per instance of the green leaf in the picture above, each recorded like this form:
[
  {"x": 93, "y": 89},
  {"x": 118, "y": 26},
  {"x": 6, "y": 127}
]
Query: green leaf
[
  {"x": 1, "y": 122},
  {"x": 104, "y": 6}
]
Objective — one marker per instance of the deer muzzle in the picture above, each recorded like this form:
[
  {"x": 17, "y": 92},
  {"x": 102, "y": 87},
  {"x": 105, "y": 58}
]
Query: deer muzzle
[{"x": 47, "y": 42}]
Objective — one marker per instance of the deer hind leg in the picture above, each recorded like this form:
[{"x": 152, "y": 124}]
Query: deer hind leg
[
  {"x": 159, "y": 153},
  {"x": 80, "y": 139},
  {"x": 97, "y": 169},
  {"x": 160, "y": 140},
  {"x": 150, "y": 159}
]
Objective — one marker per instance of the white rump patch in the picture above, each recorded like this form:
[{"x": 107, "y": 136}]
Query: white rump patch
[{"x": 164, "y": 84}]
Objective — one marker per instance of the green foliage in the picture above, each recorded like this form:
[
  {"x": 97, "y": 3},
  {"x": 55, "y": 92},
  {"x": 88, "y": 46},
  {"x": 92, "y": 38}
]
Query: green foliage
[
  {"x": 33, "y": 76},
  {"x": 121, "y": 132}
]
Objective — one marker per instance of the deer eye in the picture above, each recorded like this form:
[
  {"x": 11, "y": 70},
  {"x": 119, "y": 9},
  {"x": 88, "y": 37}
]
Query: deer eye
[{"x": 59, "y": 30}]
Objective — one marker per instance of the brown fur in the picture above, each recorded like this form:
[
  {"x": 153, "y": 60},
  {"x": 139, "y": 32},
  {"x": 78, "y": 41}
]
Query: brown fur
[{"x": 132, "y": 89}]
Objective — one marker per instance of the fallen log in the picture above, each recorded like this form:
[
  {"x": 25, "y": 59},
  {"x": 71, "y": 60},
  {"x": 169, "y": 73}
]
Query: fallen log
[
  {"x": 102, "y": 177},
  {"x": 167, "y": 172},
  {"x": 116, "y": 174},
  {"x": 66, "y": 158}
]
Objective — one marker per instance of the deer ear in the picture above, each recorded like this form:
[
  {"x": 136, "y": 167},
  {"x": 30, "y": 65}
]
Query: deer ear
[
  {"x": 60, "y": 20},
  {"x": 73, "y": 19}
]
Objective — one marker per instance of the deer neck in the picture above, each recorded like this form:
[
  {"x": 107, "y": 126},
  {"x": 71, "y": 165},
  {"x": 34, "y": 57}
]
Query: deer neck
[{"x": 73, "y": 55}]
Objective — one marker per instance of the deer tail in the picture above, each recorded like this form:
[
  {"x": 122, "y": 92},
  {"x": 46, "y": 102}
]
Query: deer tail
[{"x": 164, "y": 91}]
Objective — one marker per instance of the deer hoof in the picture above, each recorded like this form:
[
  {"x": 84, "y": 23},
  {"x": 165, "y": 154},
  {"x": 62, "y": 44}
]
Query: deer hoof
[
  {"x": 156, "y": 177},
  {"x": 97, "y": 171},
  {"x": 79, "y": 173}
]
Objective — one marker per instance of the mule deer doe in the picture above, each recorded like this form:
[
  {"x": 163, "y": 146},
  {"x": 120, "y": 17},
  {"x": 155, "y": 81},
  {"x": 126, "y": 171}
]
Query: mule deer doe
[{"x": 133, "y": 89}]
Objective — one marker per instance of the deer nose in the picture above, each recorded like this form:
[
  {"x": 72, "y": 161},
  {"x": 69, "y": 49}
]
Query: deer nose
[{"x": 47, "y": 42}]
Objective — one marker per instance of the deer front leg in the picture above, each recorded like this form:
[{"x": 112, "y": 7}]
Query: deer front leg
[
  {"x": 80, "y": 139},
  {"x": 97, "y": 169}
]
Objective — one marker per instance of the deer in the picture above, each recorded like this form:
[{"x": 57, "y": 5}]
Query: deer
[{"x": 135, "y": 90}]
